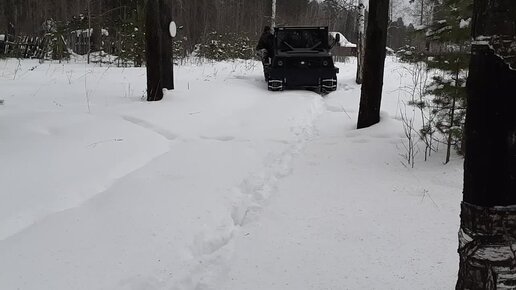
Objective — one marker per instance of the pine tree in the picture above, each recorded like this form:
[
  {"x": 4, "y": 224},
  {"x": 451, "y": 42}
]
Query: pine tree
[
  {"x": 58, "y": 45},
  {"x": 449, "y": 53},
  {"x": 446, "y": 57}
]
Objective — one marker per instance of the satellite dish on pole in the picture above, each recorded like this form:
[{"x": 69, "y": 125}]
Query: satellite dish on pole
[{"x": 172, "y": 28}]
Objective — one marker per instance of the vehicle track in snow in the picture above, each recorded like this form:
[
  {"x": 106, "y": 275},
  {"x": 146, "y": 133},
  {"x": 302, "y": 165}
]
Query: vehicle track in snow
[
  {"x": 212, "y": 250},
  {"x": 146, "y": 125}
]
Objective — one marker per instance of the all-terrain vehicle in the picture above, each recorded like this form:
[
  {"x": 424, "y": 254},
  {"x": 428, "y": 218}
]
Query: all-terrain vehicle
[{"x": 302, "y": 59}]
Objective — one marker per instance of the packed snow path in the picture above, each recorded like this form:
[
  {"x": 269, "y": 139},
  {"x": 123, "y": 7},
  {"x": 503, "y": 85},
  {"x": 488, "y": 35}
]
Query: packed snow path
[{"x": 223, "y": 185}]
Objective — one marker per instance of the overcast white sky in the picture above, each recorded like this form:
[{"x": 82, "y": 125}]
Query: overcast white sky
[{"x": 402, "y": 8}]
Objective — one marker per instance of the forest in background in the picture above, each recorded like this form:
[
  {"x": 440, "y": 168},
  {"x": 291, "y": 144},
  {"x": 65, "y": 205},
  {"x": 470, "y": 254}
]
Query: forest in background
[{"x": 197, "y": 19}]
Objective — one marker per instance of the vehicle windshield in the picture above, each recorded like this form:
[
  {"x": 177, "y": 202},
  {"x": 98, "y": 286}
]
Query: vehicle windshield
[{"x": 301, "y": 39}]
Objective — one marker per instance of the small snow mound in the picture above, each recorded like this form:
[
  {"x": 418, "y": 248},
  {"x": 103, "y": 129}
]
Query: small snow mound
[
  {"x": 464, "y": 23},
  {"x": 344, "y": 42}
]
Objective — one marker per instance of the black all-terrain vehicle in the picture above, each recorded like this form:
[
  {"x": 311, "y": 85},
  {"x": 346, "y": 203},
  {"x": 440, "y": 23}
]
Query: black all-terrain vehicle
[{"x": 301, "y": 59}]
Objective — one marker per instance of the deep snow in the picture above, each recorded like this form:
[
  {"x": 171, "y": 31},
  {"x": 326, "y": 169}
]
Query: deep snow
[{"x": 223, "y": 185}]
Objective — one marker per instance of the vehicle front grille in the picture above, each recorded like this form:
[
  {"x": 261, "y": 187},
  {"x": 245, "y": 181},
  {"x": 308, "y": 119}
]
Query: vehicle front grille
[{"x": 304, "y": 62}]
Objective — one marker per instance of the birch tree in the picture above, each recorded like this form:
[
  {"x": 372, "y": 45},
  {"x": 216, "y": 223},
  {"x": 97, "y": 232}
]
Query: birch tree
[
  {"x": 273, "y": 14},
  {"x": 361, "y": 41}
]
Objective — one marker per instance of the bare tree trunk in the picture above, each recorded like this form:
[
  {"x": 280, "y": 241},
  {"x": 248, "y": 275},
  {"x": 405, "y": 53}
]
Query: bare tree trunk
[
  {"x": 89, "y": 30},
  {"x": 153, "y": 51},
  {"x": 422, "y": 12},
  {"x": 96, "y": 35},
  {"x": 450, "y": 131},
  {"x": 167, "y": 73},
  {"x": 374, "y": 63},
  {"x": 391, "y": 5},
  {"x": 273, "y": 15},
  {"x": 361, "y": 41},
  {"x": 487, "y": 236}
]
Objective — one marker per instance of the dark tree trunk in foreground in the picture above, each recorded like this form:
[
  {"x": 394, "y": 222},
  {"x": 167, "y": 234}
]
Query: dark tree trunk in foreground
[
  {"x": 487, "y": 237},
  {"x": 153, "y": 51},
  {"x": 374, "y": 62},
  {"x": 96, "y": 33},
  {"x": 167, "y": 73}
]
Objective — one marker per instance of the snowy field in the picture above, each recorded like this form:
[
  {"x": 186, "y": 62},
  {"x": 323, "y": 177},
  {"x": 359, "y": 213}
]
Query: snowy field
[{"x": 222, "y": 185}]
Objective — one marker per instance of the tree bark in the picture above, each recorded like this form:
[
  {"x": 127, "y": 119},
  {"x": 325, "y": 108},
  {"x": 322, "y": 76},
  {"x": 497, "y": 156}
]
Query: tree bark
[
  {"x": 89, "y": 31},
  {"x": 360, "y": 42},
  {"x": 273, "y": 14},
  {"x": 487, "y": 237},
  {"x": 374, "y": 63},
  {"x": 167, "y": 73},
  {"x": 153, "y": 51},
  {"x": 422, "y": 12},
  {"x": 96, "y": 34}
]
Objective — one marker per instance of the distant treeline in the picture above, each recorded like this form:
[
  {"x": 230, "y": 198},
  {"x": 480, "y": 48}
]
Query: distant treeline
[{"x": 197, "y": 19}]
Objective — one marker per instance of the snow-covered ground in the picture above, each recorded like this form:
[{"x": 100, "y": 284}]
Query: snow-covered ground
[{"x": 222, "y": 185}]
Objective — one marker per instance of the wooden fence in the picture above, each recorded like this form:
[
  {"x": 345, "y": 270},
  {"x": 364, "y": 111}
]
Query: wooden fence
[
  {"x": 42, "y": 47},
  {"x": 79, "y": 43},
  {"x": 26, "y": 46}
]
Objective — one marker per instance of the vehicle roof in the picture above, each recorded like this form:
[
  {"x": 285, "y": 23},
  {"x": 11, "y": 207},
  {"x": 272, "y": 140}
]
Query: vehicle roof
[
  {"x": 300, "y": 27},
  {"x": 316, "y": 40}
]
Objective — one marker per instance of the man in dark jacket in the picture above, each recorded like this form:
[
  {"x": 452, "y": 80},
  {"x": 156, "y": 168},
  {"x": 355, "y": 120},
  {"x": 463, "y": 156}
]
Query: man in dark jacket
[{"x": 265, "y": 48}]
